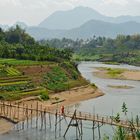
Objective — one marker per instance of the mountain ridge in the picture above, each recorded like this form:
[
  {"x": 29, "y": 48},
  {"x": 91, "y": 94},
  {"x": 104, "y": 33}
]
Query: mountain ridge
[
  {"x": 76, "y": 17},
  {"x": 87, "y": 30},
  {"x": 100, "y": 26}
]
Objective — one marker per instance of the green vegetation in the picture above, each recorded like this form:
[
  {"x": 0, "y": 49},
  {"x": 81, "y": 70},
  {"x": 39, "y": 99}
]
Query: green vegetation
[
  {"x": 63, "y": 77},
  {"x": 122, "y": 49},
  {"x": 94, "y": 86},
  {"x": 8, "y": 71},
  {"x": 77, "y": 83},
  {"x": 120, "y": 86},
  {"x": 56, "y": 79},
  {"x": 13, "y": 83},
  {"x": 14, "y": 86},
  {"x": 22, "y": 94},
  {"x": 71, "y": 69},
  {"x": 114, "y": 72},
  {"x": 121, "y": 133},
  {"x": 29, "y": 68},
  {"x": 15, "y": 43},
  {"x": 111, "y": 63},
  {"x": 15, "y": 62},
  {"x": 44, "y": 96}
]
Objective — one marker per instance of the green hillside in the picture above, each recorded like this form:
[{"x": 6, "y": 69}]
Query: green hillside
[{"x": 30, "y": 69}]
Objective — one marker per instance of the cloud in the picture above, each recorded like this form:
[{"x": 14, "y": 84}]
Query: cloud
[
  {"x": 116, "y": 2},
  {"x": 9, "y": 2}
]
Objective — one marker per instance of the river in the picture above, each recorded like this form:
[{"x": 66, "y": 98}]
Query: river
[
  {"x": 114, "y": 98},
  {"x": 109, "y": 104}
]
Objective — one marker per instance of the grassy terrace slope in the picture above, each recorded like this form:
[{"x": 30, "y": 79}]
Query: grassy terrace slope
[{"x": 24, "y": 78}]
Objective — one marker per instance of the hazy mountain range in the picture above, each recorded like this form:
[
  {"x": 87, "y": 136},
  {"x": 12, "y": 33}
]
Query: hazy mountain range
[
  {"x": 78, "y": 16},
  {"x": 82, "y": 22},
  {"x": 87, "y": 30}
]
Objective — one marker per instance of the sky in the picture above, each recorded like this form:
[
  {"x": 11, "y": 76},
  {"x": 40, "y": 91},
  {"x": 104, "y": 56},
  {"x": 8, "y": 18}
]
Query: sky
[{"x": 32, "y": 12}]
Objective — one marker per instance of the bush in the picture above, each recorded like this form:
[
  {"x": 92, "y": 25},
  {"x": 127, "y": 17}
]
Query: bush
[
  {"x": 44, "y": 96},
  {"x": 71, "y": 69},
  {"x": 56, "y": 79},
  {"x": 114, "y": 72}
]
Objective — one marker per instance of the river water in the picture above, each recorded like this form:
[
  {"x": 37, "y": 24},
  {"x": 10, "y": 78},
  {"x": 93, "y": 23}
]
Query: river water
[{"x": 109, "y": 104}]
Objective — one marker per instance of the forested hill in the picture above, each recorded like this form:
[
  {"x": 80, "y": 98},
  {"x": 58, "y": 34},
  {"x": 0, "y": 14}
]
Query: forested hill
[
  {"x": 122, "y": 49},
  {"x": 16, "y": 43}
]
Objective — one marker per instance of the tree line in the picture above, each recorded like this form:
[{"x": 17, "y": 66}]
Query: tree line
[
  {"x": 16, "y": 43},
  {"x": 122, "y": 49}
]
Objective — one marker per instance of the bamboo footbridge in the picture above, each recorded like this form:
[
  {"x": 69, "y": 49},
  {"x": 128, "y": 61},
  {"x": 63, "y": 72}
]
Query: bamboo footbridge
[{"x": 19, "y": 113}]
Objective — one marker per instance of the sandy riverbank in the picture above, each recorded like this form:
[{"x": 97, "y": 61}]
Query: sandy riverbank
[
  {"x": 65, "y": 98},
  {"x": 5, "y": 126},
  {"x": 123, "y": 75}
]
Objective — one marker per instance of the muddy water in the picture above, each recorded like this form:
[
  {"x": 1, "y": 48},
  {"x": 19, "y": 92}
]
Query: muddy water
[{"x": 113, "y": 99}]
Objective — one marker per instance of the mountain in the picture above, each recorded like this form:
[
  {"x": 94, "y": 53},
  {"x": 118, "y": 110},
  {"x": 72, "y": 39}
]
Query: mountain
[
  {"x": 82, "y": 22},
  {"x": 70, "y": 19},
  {"x": 100, "y": 28},
  {"x": 125, "y": 18},
  {"x": 87, "y": 30},
  {"x": 78, "y": 16},
  {"x": 43, "y": 33}
]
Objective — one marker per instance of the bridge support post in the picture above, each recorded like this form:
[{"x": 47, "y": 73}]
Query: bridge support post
[
  {"x": 99, "y": 131},
  {"x": 76, "y": 124},
  {"x": 45, "y": 122},
  {"x": 93, "y": 127},
  {"x": 56, "y": 124},
  {"x": 70, "y": 123},
  {"x": 81, "y": 128},
  {"x": 50, "y": 120},
  {"x": 37, "y": 115},
  {"x": 59, "y": 125}
]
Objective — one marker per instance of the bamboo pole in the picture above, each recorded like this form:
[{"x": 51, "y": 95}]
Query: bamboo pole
[
  {"x": 93, "y": 127},
  {"x": 41, "y": 117},
  {"x": 56, "y": 124},
  {"x": 59, "y": 125},
  {"x": 37, "y": 115},
  {"x": 45, "y": 122},
  {"x": 99, "y": 133},
  {"x": 50, "y": 120}
]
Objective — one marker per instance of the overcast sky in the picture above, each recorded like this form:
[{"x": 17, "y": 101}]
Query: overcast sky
[{"x": 33, "y": 12}]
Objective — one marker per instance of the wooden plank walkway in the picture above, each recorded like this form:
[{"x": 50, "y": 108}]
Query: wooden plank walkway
[{"x": 17, "y": 113}]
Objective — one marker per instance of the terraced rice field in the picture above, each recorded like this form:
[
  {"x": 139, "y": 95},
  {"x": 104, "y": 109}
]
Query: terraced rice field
[
  {"x": 14, "y": 86},
  {"x": 12, "y": 71},
  {"x": 8, "y": 71}
]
